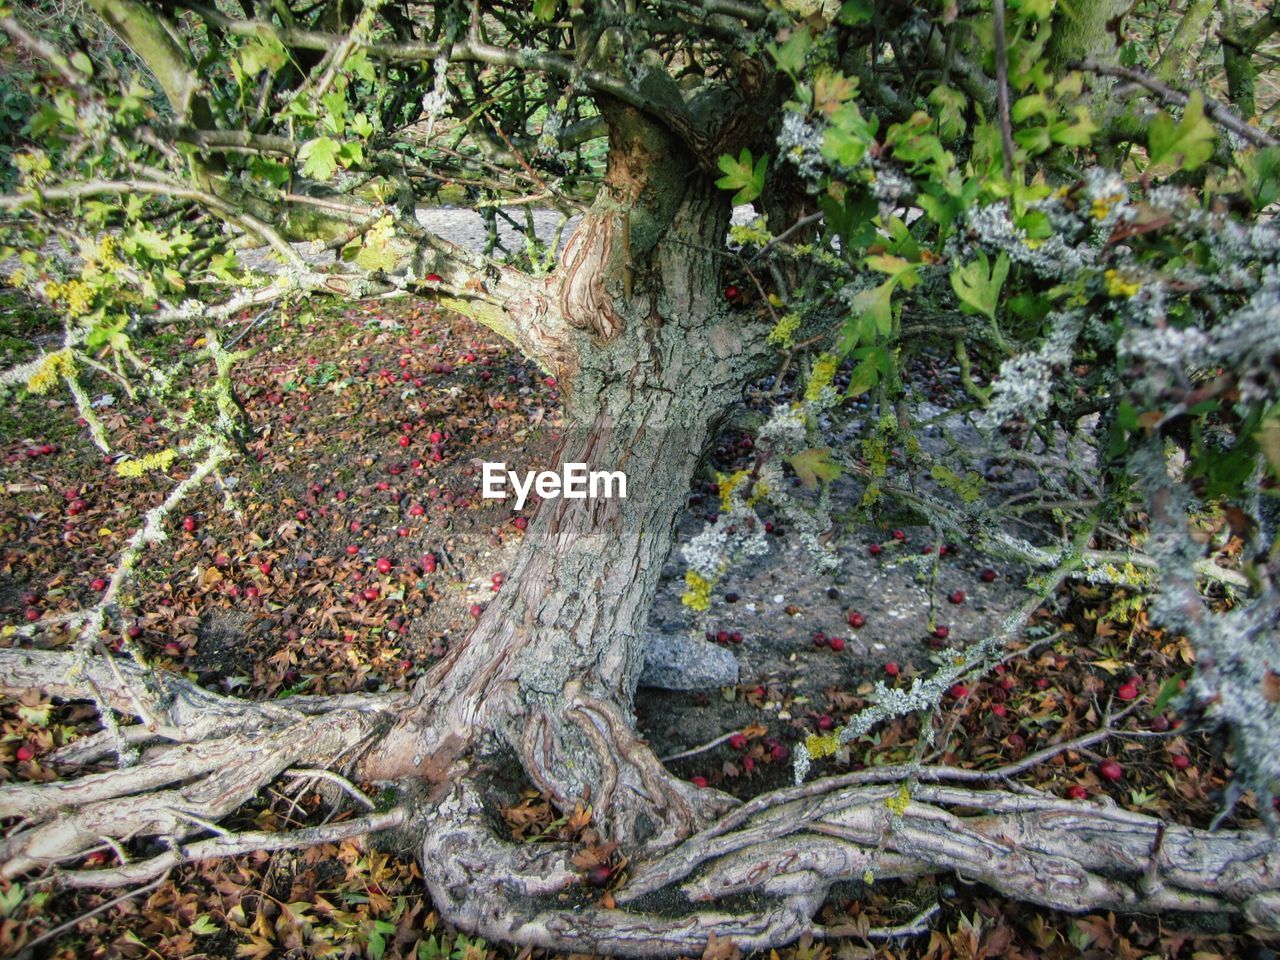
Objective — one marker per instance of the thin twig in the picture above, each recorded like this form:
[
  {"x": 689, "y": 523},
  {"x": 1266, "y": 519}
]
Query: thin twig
[
  {"x": 1218, "y": 112},
  {"x": 1002, "y": 86}
]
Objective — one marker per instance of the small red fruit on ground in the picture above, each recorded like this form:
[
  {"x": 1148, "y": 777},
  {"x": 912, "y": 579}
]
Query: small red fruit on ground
[
  {"x": 825, "y": 722},
  {"x": 521, "y": 523},
  {"x": 1179, "y": 761},
  {"x": 892, "y": 668},
  {"x": 383, "y": 565},
  {"x": 1110, "y": 770},
  {"x": 25, "y": 753},
  {"x": 698, "y": 781},
  {"x": 1076, "y": 792},
  {"x": 836, "y": 644},
  {"x": 732, "y": 293},
  {"x": 999, "y": 710},
  {"x": 959, "y": 691},
  {"x": 875, "y": 549},
  {"x": 899, "y": 535},
  {"x": 98, "y": 584},
  {"x": 476, "y": 610},
  {"x": 956, "y": 596},
  {"x": 738, "y": 741},
  {"x": 942, "y": 631},
  {"x": 857, "y": 620},
  {"x": 988, "y": 575},
  {"x": 190, "y": 524},
  {"x": 1127, "y": 692}
]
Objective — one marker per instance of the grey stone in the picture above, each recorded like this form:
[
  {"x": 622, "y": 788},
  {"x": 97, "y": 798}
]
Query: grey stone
[{"x": 674, "y": 661}]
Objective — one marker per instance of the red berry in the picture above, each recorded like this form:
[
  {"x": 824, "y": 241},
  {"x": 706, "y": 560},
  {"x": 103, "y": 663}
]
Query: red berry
[
  {"x": 731, "y": 293},
  {"x": 429, "y": 563},
  {"x": 825, "y": 722},
  {"x": 1076, "y": 792},
  {"x": 417, "y": 510},
  {"x": 1127, "y": 692},
  {"x": 302, "y": 516},
  {"x": 836, "y": 644},
  {"x": 857, "y": 620},
  {"x": 1179, "y": 761},
  {"x": 722, "y": 636},
  {"x": 779, "y": 751},
  {"x": 436, "y": 436},
  {"x": 370, "y": 593},
  {"x": 941, "y": 631},
  {"x": 892, "y": 669},
  {"x": 383, "y": 565},
  {"x": 599, "y": 876},
  {"x": 265, "y": 567},
  {"x": 959, "y": 691},
  {"x": 190, "y": 524},
  {"x": 521, "y": 523},
  {"x": 988, "y": 575},
  {"x": 433, "y": 278},
  {"x": 999, "y": 710},
  {"x": 736, "y": 636},
  {"x": 251, "y": 591},
  {"x": 738, "y": 741},
  {"x": 173, "y": 650},
  {"x": 1160, "y": 724},
  {"x": 353, "y": 549},
  {"x": 956, "y": 596},
  {"x": 404, "y": 441},
  {"x": 1110, "y": 770},
  {"x": 32, "y": 614},
  {"x": 698, "y": 781},
  {"x": 899, "y": 535},
  {"x": 819, "y": 639},
  {"x": 98, "y": 584},
  {"x": 875, "y": 549},
  {"x": 476, "y": 610},
  {"x": 748, "y": 764},
  {"x": 25, "y": 753}
]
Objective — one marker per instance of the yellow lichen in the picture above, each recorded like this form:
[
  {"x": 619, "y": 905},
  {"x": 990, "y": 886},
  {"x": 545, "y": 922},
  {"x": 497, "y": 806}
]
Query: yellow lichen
[
  {"x": 55, "y": 365},
  {"x": 698, "y": 595},
  {"x": 785, "y": 330},
  {"x": 824, "y": 371},
  {"x": 161, "y": 460},
  {"x": 898, "y": 802},
  {"x": 1119, "y": 286},
  {"x": 821, "y": 745}
]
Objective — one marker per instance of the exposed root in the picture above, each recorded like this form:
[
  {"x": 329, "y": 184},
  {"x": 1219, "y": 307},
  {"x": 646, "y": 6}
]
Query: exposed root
[
  {"x": 491, "y": 887},
  {"x": 205, "y": 757}
]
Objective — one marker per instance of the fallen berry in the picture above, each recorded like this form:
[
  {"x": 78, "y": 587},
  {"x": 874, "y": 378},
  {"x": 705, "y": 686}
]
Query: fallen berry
[
  {"x": 738, "y": 741},
  {"x": 836, "y": 644},
  {"x": 892, "y": 669},
  {"x": 857, "y": 620},
  {"x": 1110, "y": 770}
]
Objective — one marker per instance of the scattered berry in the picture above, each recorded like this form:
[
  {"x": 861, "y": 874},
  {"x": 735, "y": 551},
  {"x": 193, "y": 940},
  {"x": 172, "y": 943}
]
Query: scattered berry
[
  {"x": 857, "y": 620},
  {"x": 892, "y": 669},
  {"x": 1110, "y": 770}
]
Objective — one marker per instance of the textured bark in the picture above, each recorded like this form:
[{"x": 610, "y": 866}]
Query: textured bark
[{"x": 550, "y": 668}]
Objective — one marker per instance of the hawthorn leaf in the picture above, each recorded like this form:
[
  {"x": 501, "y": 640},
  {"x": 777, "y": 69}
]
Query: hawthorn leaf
[
  {"x": 978, "y": 282},
  {"x": 1184, "y": 145},
  {"x": 319, "y": 158},
  {"x": 814, "y": 465}
]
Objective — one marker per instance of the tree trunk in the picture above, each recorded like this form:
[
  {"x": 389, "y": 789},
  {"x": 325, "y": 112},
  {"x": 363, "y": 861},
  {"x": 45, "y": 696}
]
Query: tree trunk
[{"x": 550, "y": 669}]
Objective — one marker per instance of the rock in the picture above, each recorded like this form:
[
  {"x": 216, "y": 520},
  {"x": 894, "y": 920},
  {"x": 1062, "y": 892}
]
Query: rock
[{"x": 674, "y": 661}]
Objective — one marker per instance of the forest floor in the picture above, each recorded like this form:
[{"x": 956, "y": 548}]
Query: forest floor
[{"x": 350, "y": 548}]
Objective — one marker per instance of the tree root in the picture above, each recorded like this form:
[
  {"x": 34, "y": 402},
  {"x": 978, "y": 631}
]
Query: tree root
[{"x": 693, "y": 855}]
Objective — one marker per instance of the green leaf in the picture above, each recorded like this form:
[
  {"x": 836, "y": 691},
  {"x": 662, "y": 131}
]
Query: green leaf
[
  {"x": 814, "y": 465},
  {"x": 319, "y": 158},
  {"x": 1184, "y": 145},
  {"x": 875, "y": 364},
  {"x": 875, "y": 306},
  {"x": 544, "y": 10},
  {"x": 1262, "y": 176},
  {"x": 743, "y": 175},
  {"x": 264, "y": 52},
  {"x": 978, "y": 282},
  {"x": 1168, "y": 690},
  {"x": 360, "y": 67},
  {"x": 791, "y": 52},
  {"x": 855, "y": 12},
  {"x": 203, "y": 926}
]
